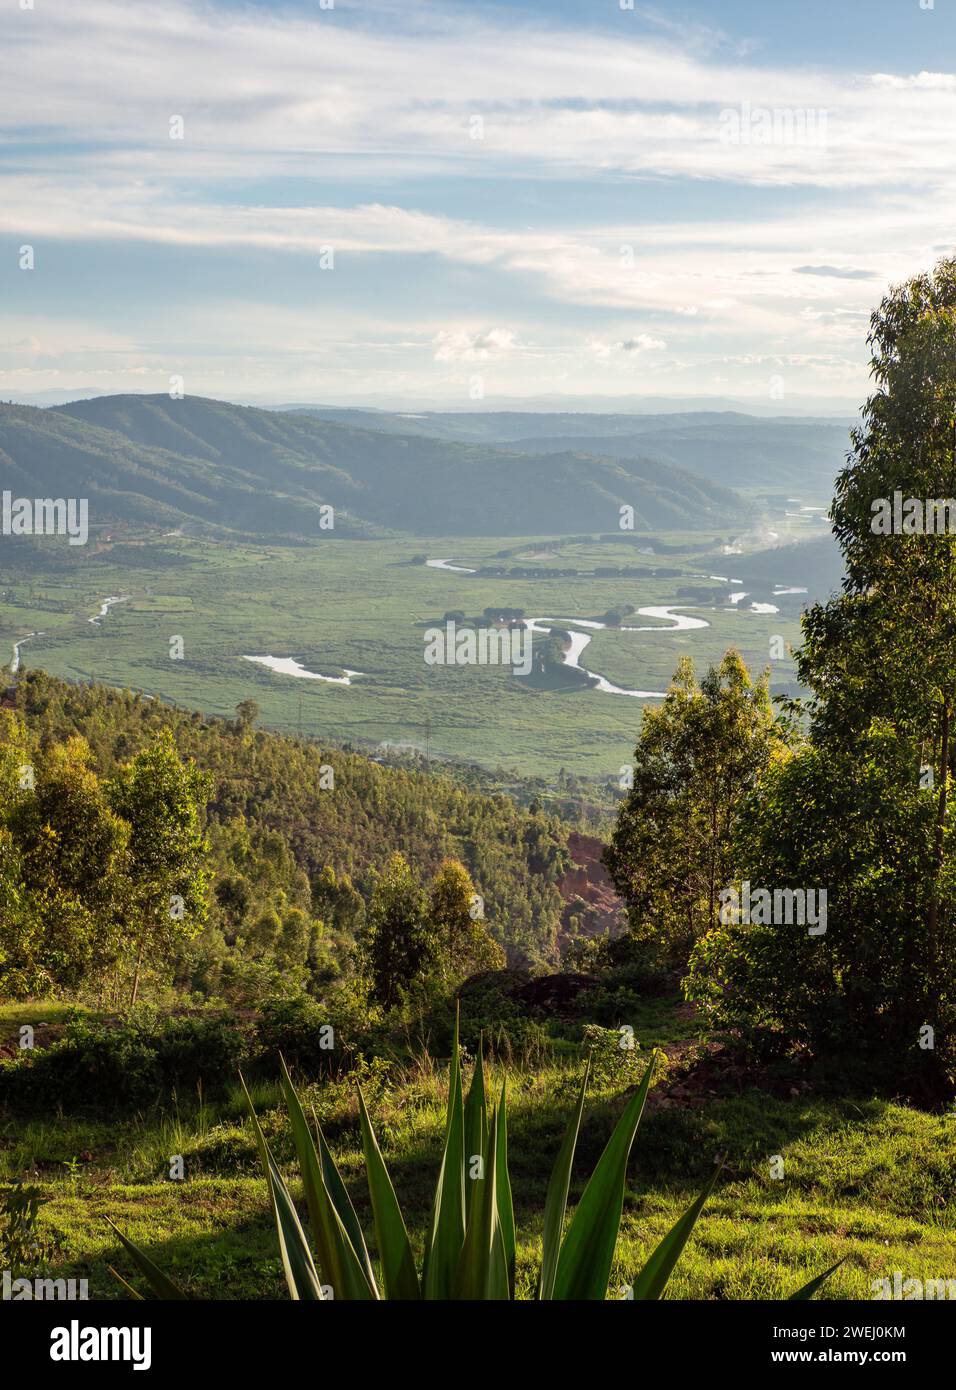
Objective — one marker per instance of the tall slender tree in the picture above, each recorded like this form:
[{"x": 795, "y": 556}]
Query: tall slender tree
[
  {"x": 886, "y": 647},
  {"x": 162, "y": 798},
  {"x": 699, "y": 753}
]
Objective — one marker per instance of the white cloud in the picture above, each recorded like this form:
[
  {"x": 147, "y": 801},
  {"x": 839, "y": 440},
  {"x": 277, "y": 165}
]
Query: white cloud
[
  {"x": 460, "y": 345},
  {"x": 261, "y": 92},
  {"x": 278, "y": 104},
  {"x": 642, "y": 343}
]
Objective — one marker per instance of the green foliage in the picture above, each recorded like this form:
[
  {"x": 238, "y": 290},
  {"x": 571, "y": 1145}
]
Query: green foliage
[
  {"x": 303, "y": 1032},
  {"x": 858, "y": 824},
  {"x": 23, "y": 1245},
  {"x": 91, "y": 865},
  {"x": 456, "y": 910},
  {"x": 400, "y": 943},
  {"x": 865, "y": 811},
  {"x": 247, "y": 712},
  {"x": 470, "y": 1250},
  {"x": 471, "y": 1243},
  {"x": 283, "y": 842},
  {"x": 616, "y": 1057},
  {"x": 123, "y": 1064},
  {"x": 64, "y": 864},
  {"x": 698, "y": 754},
  {"x": 163, "y": 799}
]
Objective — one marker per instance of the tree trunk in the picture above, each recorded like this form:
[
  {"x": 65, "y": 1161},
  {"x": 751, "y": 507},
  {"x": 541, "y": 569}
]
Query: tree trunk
[
  {"x": 139, "y": 963},
  {"x": 940, "y": 824},
  {"x": 712, "y": 866}
]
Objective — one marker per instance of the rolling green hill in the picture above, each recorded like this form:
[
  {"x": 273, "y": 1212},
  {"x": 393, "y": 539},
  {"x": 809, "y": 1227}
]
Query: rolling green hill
[
  {"x": 272, "y": 786},
  {"x": 150, "y": 459},
  {"x": 727, "y": 447}
]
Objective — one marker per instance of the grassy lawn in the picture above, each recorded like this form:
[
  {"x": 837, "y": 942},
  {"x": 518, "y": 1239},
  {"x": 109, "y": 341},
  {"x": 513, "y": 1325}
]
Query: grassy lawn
[{"x": 865, "y": 1181}]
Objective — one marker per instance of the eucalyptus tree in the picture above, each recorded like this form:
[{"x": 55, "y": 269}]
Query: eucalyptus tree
[
  {"x": 886, "y": 647},
  {"x": 864, "y": 806},
  {"x": 698, "y": 754}
]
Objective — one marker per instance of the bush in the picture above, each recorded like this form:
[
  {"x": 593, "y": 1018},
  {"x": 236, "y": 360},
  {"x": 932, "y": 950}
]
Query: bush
[
  {"x": 616, "y": 1056},
  {"x": 302, "y": 1031},
  {"x": 124, "y": 1064}
]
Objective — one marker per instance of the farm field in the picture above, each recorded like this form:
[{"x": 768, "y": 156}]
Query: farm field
[{"x": 364, "y": 606}]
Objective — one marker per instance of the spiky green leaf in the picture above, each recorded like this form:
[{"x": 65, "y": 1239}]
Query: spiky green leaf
[
  {"x": 556, "y": 1202},
  {"x": 652, "y": 1280},
  {"x": 298, "y": 1266},
  {"x": 584, "y": 1264},
  {"x": 476, "y": 1124},
  {"x": 447, "y": 1229},
  {"x": 394, "y": 1247},
  {"x": 810, "y": 1289},
  {"x": 160, "y": 1283},
  {"x": 506, "y": 1213},
  {"x": 482, "y": 1266},
  {"x": 349, "y": 1277}
]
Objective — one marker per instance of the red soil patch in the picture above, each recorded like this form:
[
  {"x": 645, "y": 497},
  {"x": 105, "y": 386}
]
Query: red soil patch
[{"x": 587, "y": 889}]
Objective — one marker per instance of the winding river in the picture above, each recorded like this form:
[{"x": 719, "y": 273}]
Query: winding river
[
  {"x": 447, "y": 565},
  {"x": 15, "y": 663},
  {"x": 286, "y": 666},
  {"x": 105, "y": 607},
  {"x": 668, "y": 614},
  {"x": 680, "y": 622},
  {"x": 669, "y": 619}
]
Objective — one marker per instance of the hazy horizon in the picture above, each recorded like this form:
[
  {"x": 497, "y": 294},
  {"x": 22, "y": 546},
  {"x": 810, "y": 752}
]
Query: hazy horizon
[{"x": 465, "y": 206}]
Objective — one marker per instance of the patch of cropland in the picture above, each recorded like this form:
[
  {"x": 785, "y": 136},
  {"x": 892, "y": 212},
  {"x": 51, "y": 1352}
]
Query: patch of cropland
[
  {"x": 361, "y": 606},
  {"x": 209, "y": 463}
]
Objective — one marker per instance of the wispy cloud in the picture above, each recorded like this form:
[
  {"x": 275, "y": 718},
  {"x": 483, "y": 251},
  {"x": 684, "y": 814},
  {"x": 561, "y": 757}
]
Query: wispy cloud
[{"x": 431, "y": 134}]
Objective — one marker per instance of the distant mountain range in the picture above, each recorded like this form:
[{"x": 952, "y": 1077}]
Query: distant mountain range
[
  {"x": 210, "y": 464},
  {"x": 726, "y": 447}
]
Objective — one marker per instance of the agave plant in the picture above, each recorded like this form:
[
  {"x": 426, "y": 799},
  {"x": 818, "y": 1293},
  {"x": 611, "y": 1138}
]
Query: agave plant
[{"x": 470, "y": 1246}]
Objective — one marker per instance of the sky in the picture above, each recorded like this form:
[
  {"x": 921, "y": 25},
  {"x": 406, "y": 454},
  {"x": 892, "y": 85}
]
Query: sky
[{"x": 466, "y": 205}]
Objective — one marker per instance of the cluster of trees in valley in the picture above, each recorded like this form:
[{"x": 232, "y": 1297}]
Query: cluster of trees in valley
[{"x": 219, "y": 859}]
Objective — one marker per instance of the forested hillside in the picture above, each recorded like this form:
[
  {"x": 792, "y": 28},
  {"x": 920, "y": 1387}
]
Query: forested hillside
[
  {"x": 154, "y": 459},
  {"x": 726, "y": 447},
  {"x": 294, "y": 826}
]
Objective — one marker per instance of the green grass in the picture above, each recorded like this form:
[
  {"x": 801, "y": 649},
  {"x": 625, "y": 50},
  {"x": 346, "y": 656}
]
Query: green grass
[
  {"x": 363, "y": 605},
  {"x": 13, "y": 1015},
  {"x": 866, "y": 1181}
]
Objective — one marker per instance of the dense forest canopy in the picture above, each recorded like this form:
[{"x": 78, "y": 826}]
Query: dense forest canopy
[{"x": 294, "y": 835}]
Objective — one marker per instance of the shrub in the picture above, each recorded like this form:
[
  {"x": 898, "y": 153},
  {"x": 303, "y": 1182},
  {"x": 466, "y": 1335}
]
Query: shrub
[
  {"x": 300, "y": 1030},
  {"x": 124, "y": 1064},
  {"x": 616, "y": 1056}
]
